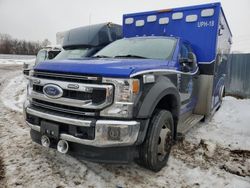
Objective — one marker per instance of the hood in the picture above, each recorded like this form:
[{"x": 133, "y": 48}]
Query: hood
[{"x": 120, "y": 68}]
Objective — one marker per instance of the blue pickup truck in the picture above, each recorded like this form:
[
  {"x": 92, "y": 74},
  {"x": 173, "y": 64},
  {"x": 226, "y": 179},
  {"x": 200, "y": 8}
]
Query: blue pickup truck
[{"x": 132, "y": 99}]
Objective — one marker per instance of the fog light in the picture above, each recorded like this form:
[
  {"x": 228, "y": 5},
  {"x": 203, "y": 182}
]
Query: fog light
[
  {"x": 114, "y": 133},
  {"x": 62, "y": 146}
]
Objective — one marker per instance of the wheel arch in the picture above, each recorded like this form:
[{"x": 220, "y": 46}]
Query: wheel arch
[{"x": 164, "y": 95}]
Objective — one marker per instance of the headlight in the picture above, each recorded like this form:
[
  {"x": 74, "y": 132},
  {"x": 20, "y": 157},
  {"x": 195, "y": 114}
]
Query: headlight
[{"x": 126, "y": 91}]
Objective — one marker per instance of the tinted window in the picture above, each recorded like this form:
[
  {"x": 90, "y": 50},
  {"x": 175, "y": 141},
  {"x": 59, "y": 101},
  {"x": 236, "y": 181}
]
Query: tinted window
[
  {"x": 184, "y": 51},
  {"x": 151, "y": 48}
]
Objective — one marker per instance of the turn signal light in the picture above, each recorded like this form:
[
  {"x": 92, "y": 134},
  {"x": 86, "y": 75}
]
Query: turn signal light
[{"x": 136, "y": 86}]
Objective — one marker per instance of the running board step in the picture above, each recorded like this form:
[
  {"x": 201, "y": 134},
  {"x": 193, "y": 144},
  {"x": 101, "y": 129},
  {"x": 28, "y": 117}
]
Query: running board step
[{"x": 189, "y": 123}]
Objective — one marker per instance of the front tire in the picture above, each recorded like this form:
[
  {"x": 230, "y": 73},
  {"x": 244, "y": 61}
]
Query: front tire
[{"x": 155, "y": 150}]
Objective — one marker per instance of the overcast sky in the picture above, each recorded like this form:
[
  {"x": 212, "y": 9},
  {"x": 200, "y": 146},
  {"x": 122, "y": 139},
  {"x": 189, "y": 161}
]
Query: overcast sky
[{"x": 40, "y": 19}]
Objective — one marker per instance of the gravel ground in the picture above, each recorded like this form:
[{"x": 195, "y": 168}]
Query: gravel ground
[{"x": 194, "y": 162}]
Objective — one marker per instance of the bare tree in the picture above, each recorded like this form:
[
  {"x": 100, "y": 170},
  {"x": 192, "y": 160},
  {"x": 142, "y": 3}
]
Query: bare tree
[
  {"x": 8, "y": 45},
  {"x": 45, "y": 43}
]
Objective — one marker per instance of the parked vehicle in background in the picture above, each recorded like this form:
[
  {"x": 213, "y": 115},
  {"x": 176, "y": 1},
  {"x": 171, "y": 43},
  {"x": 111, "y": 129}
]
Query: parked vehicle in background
[
  {"x": 79, "y": 43},
  {"x": 133, "y": 98},
  {"x": 28, "y": 65},
  {"x": 85, "y": 41},
  {"x": 46, "y": 53}
]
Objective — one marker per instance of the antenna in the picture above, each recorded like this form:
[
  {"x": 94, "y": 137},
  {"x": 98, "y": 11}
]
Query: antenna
[
  {"x": 89, "y": 26},
  {"x": 89, "y": 18}
]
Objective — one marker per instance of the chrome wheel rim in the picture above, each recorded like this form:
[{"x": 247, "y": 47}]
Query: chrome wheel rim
[{"x": 164, "y": 142}]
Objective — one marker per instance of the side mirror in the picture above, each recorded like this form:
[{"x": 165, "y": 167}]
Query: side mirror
[
  {"x": 184, "y": 60},
  {"x": 189, "y": 63},
  {"x": 192, "y": 57}
]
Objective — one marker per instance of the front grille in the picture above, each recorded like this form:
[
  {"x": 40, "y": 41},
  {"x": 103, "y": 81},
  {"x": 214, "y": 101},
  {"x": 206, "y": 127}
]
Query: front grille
[
  {"x": 67, "y": 77},
  {"x": 86, "y": 99},
  {"x": 63, "y": 108},
  {"x": 97, "y": 96}
]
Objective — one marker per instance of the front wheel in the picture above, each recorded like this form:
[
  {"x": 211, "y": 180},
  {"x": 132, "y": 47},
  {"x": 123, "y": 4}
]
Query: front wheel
[{"x": 155, "y": 150}]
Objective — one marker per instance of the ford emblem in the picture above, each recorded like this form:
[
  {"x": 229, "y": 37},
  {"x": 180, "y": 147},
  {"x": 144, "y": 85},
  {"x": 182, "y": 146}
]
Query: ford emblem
[{"x": 52, "y": 91}]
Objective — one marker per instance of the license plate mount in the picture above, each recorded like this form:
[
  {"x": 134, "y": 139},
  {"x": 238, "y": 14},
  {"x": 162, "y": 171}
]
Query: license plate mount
[{"x": 50, "y": 129}]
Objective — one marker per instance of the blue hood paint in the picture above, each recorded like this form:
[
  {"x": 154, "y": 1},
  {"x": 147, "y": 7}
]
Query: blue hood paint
[{"x": 119, "y": 68}]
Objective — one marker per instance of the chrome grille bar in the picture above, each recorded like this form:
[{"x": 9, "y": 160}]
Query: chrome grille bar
[
  {"x": 50, "y": 107},
  {"x": 88, "y": 104},
  {"x": 65, "y": 85}
]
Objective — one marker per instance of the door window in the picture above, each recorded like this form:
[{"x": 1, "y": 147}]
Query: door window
[
  {"x": 188, "y": 63},
  {"x": 184, "y": 51}
]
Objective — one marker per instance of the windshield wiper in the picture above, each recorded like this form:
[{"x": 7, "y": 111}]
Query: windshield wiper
[
  {"x": 101, "y": 56},
  {"x": 130, "y": 56}
]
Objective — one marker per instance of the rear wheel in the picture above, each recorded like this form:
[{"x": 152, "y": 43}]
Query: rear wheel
[
  {"x": 155, "y": 150},
  {"x": 221, "y": 95}
]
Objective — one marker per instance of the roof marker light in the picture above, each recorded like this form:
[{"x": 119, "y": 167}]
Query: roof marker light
[
  {"x": 129, "y": 21},
  {"x": 164, "y": 20},
  {"x": 207, "y": 12},
  {"x": 191, "y": 18},
  {"x": 177, "y": 15},
  {"x": 139, "y": 23},
  {"x": 151, "y": 18}
]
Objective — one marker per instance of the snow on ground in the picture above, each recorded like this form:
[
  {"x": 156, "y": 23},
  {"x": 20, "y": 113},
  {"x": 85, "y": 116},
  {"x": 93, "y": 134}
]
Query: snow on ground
[
  {"x": 16, "y": 62},
  {"x": 14, "y": 94},
  {"x": 229, "y": 127},
  {"x": 213, "y": 154},
  {"x": 8, "y": 59},
  {"x": 11, "y": 61}
]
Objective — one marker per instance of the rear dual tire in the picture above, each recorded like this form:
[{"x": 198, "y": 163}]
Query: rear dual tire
[{"x": 155, "y": 151}]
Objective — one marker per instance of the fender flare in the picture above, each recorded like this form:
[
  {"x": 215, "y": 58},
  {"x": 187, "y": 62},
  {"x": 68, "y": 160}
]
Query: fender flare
[{"x": 160, "y": 89}]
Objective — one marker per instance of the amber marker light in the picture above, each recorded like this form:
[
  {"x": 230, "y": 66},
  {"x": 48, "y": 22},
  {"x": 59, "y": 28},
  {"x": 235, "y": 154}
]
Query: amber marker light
[{"x": 136, "y": 86}]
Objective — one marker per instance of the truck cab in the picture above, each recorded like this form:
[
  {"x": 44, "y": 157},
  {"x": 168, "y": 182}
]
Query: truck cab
[{"x": 133, "y": 98}]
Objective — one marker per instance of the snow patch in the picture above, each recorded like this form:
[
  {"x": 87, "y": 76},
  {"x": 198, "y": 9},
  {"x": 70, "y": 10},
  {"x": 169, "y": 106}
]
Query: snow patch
[
  {"x": 16, "y": 61},
  {"x": 14, "y": 94},
  {"x": 229, "y": 126}
]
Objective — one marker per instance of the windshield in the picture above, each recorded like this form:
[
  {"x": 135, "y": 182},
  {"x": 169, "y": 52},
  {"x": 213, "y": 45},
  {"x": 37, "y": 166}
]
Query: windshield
[
  {"x": 78, "y": 53},
  {"x": 41, "y": 56},
  {"x": 149, "y": 48}
]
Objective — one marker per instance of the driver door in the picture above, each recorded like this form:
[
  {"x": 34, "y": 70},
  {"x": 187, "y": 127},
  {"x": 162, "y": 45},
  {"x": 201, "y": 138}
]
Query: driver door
[{"x": 188, "y": 79}]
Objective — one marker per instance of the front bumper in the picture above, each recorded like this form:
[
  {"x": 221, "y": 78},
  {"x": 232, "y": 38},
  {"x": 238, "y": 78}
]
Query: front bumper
[{"x": 108, "y": 133}]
